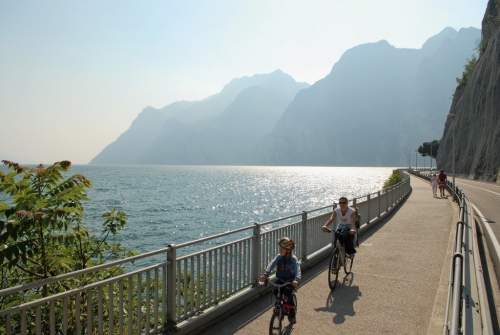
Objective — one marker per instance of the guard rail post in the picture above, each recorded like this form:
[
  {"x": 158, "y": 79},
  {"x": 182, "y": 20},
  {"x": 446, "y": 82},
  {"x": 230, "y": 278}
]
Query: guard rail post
[
  {"x": 386, "y": 200},
  {"x": 304, "y": 236},
  {"x": 369, "y": 206},
  {"x": 392, "y": 196},
  {"x": 256, "y": 254},
  {"x": 378, "y": 194},
  {"x": 170, "y": 287}
]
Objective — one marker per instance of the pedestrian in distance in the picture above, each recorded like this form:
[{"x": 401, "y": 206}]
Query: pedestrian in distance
[
  {"x": 347, "y": 218},
  {"x": 434, "y": 185},
  {"x": 287, "y": 270},
  {"x": 442, "y": 179}
]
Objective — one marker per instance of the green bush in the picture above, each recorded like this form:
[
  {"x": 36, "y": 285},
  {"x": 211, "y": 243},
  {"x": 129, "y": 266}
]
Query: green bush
[
  {"x": 468, "y": 69},
  {"x": 42, "y": 236},
  {"x": 395, "y": 178}
]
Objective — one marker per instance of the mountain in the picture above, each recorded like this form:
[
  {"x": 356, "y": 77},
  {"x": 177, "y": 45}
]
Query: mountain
[
  {"x": 225, "y": 139},
  {"x": 378, "y": 104},
  {"x": 129, "y": 146},
  {"x": 476, "y": 106},
  {"x": 142, "y": 142}
]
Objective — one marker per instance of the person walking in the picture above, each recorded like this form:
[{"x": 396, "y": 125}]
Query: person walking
[
  {"x": 434, "y": 185},
  {"x": 442, "y": 178}
]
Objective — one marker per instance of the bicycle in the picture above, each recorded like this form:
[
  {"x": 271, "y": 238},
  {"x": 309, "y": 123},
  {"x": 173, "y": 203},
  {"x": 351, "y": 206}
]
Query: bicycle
[
  {"x": 281, "y": 309},
  {"x": 339, "y": 258}
]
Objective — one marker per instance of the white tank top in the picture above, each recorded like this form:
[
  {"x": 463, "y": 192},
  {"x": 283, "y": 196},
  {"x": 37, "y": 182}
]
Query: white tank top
[{"x": 344, "y": 219}]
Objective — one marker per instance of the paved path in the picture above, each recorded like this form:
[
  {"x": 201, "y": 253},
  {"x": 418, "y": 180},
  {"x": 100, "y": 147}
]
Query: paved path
[{"x": 399, "y": 270}]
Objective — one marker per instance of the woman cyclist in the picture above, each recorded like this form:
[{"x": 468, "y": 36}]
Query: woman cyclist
[{"x": 347, "y": 218}]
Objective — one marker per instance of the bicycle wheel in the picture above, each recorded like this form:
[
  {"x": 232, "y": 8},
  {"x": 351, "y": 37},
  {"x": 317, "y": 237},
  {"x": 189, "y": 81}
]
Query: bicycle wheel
[
  {"x": 275, "y": 324},
  {"x": 348, "y": 264},
  {"x": 333, "y": 271}
]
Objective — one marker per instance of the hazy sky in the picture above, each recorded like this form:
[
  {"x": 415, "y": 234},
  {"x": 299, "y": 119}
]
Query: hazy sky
[{"x": 75, "y": 74}]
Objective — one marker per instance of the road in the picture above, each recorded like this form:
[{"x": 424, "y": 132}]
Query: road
[{"x": 486, "y": 197}]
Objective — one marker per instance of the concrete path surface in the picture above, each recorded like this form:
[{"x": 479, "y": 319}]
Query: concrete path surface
[{"x": 393, "y": 286}]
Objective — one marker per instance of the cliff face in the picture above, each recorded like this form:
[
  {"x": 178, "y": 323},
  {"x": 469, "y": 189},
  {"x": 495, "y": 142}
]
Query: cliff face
[{"x": 477, "y": 113}]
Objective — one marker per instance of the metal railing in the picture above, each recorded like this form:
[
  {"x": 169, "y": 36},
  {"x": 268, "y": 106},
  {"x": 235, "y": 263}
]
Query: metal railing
[
  {"x": 181, "y": 292},
  {"x": 467, "y": 307}
]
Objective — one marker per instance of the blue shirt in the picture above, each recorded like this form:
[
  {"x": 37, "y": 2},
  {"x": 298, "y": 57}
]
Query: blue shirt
[{"x": 287, "y": 268}]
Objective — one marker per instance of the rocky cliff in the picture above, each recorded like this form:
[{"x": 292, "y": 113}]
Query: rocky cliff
[{"x": 476, "y": 106}]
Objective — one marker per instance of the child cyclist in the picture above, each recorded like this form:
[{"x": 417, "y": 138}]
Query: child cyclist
[{"x": 288, "y": 270}]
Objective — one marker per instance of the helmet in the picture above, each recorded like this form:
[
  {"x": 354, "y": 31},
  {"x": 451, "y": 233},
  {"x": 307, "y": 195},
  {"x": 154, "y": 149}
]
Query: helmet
[{"x": 286, "y": 243}]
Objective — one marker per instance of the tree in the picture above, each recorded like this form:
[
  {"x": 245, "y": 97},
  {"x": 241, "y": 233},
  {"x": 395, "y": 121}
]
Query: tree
[
  {"x": 42, "y": 234},
  {"x": 429, "y": 149}
]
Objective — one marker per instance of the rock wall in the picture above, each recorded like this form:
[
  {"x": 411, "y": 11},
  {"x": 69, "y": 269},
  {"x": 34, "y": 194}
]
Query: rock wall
[{"x": 477, "y": 114}]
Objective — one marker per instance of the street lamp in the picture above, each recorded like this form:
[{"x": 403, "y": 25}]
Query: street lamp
[
  {"x": 416, "y": 165},
  {"x": 431, "y": 156},
  {"x": 452, "y": 117}
]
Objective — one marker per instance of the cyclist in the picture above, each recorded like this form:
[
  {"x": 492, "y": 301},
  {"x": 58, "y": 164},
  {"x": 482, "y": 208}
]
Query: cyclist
[
  {"x": 288, "y": 270},
  {"x": 347, "y": 218}
]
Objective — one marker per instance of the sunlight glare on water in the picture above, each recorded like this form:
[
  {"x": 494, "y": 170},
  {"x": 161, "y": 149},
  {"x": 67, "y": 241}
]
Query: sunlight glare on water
[{"x": 175, "y": 204}]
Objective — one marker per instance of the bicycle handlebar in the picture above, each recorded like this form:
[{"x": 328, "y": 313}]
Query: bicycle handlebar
[
  {"x": 281, "y": 285},
  {"x": 340, "y": 231},
  {"x": 274, "y": 284}
]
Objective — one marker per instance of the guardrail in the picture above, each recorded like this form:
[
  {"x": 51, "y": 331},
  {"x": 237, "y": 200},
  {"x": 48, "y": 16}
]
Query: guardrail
[
  {"x": 467, "y": 307},
  {"x": 181, "y": 291}
]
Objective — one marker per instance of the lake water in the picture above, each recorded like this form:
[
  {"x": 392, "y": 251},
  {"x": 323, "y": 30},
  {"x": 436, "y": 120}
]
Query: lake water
[{"x": 175, "y": 204}]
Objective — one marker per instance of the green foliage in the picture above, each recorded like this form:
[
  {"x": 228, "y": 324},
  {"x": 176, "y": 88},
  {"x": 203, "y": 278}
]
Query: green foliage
[
  {"x": 429, "y": 149},
  {"x": 42, "y": 235},
  {"x": 481, "y": 46},
  {"x": 395, "y": 178},
  {"x": 468, "y": 69}
]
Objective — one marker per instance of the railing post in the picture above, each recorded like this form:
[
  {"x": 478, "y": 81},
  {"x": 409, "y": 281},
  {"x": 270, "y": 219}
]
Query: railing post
[
  {"x": 304, "y": 239},
  {"x": 369, "y": 207},
  {"x": 256, "y": 253},
  {"x": 378, "y": 194},
  {"x": 386, "y": 199},
  {"x": 171, "y": 284},
  {"x": 392, "y": 196}
]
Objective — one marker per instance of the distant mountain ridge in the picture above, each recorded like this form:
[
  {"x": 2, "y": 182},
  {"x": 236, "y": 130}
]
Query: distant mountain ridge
[
  {"x": 141, "y": 143},
  {"x": 376, "y": 106}
]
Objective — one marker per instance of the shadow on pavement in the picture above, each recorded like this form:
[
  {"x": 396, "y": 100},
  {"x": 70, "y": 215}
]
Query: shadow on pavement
[{"x": 341, "y": 300}]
